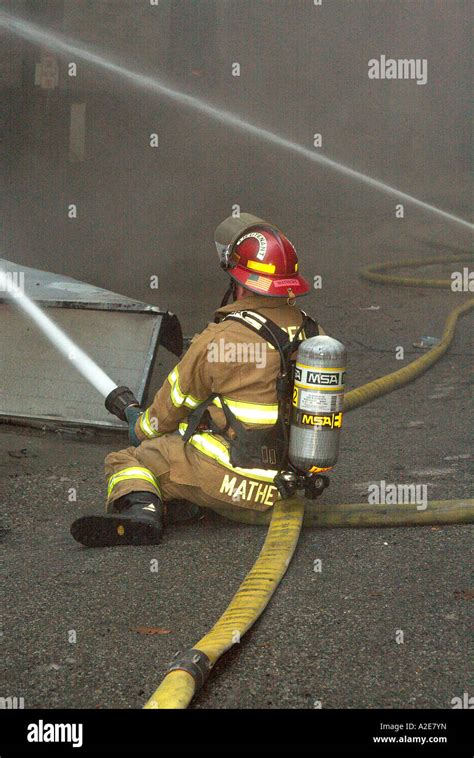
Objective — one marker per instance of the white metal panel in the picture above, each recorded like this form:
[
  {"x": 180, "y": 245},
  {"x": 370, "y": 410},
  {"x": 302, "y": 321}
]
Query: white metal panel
[{"x": 37, "y": 382}]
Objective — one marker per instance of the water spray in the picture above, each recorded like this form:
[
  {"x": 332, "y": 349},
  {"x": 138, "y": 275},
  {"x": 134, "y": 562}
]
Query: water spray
[
  {"x": 80, "y": 360},
  {"x": 60, "y": 44}
]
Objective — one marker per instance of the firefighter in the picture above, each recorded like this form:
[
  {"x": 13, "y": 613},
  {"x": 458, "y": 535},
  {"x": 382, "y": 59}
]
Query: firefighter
[{"x": 181, "y": 456}]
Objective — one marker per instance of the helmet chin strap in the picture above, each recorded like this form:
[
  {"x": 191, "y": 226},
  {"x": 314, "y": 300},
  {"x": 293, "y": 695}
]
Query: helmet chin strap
[{"x": 230, "y": 291}]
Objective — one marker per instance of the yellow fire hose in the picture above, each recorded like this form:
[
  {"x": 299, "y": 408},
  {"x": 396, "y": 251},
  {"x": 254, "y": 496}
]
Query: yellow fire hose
[
  {"x": 179, "y": 686},
  {"x": 190, "y": 670},
  {"x": 328, "y": 515}
]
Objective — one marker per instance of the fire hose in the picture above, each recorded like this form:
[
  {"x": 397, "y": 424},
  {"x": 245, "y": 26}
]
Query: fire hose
[{"x": 190, "y": 669}]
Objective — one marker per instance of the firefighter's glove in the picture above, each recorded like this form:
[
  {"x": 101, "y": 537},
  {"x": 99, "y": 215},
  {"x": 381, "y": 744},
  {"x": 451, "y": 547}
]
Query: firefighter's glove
[{"x": 132, "y": 414}]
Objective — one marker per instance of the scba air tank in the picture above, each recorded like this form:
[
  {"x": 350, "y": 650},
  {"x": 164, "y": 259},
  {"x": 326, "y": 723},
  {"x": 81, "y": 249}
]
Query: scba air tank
[{"x": 318, "y": 395}]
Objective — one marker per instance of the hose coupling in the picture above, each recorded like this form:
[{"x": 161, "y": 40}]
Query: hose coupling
[{"x": 195, "y": 662}]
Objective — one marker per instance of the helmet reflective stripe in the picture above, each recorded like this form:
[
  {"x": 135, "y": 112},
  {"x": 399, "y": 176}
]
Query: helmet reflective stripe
[
  {"x": 251, "y": 413},
  {"x": 146, "y": 427},
  {"x": 179, "y": 398},
  {"x": 133, "y": 473},
  {"x": 266, "y": 268},
  {"x": 212, "y": 447}
]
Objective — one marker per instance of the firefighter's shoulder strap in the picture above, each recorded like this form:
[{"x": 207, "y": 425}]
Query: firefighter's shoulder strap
[
  {"x": 262, "y": 326},
  {"x": 310, "y": 326},
  {"x": 272, "y": 332}
]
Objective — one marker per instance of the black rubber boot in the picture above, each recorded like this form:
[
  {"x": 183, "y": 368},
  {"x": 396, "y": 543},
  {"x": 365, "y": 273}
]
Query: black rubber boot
[{"x": 137, "y": 519}]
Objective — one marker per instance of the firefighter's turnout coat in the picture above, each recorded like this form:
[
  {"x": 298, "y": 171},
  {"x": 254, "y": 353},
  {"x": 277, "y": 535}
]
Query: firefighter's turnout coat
[{"x": 228, "y": 359}]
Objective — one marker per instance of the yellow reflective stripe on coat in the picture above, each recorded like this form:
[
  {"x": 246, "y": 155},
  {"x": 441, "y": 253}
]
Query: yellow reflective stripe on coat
[
  {"x": 178, "y": 398},
  {"x": 135, "y": 472},
  {"x": 212, "y": 446},
  {"x": 251, "y": 413},
  {"x": 146, "y": 426}
]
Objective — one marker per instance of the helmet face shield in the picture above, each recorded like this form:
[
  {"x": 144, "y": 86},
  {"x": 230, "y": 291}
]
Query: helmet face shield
[
  {"x": 228, "y": 231},
  {"x": 223, "y": 251}
]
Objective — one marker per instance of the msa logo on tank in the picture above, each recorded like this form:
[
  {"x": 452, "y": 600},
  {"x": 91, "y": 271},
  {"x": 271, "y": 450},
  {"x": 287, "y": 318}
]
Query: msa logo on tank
[
  {"x": 329, "y": 420},
  {"x": 334, "y": 378}
]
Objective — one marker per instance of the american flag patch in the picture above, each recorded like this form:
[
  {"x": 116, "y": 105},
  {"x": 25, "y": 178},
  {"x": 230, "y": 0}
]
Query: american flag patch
[{"x": 260, "y": 282}]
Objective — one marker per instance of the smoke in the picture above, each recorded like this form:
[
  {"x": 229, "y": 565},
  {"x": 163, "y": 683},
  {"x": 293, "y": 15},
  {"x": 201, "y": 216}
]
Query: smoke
[{"x": 39, "y": 36}]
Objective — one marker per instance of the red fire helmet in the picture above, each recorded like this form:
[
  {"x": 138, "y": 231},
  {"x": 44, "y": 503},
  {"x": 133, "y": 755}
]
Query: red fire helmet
[{"x": 264, "y": 261}]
